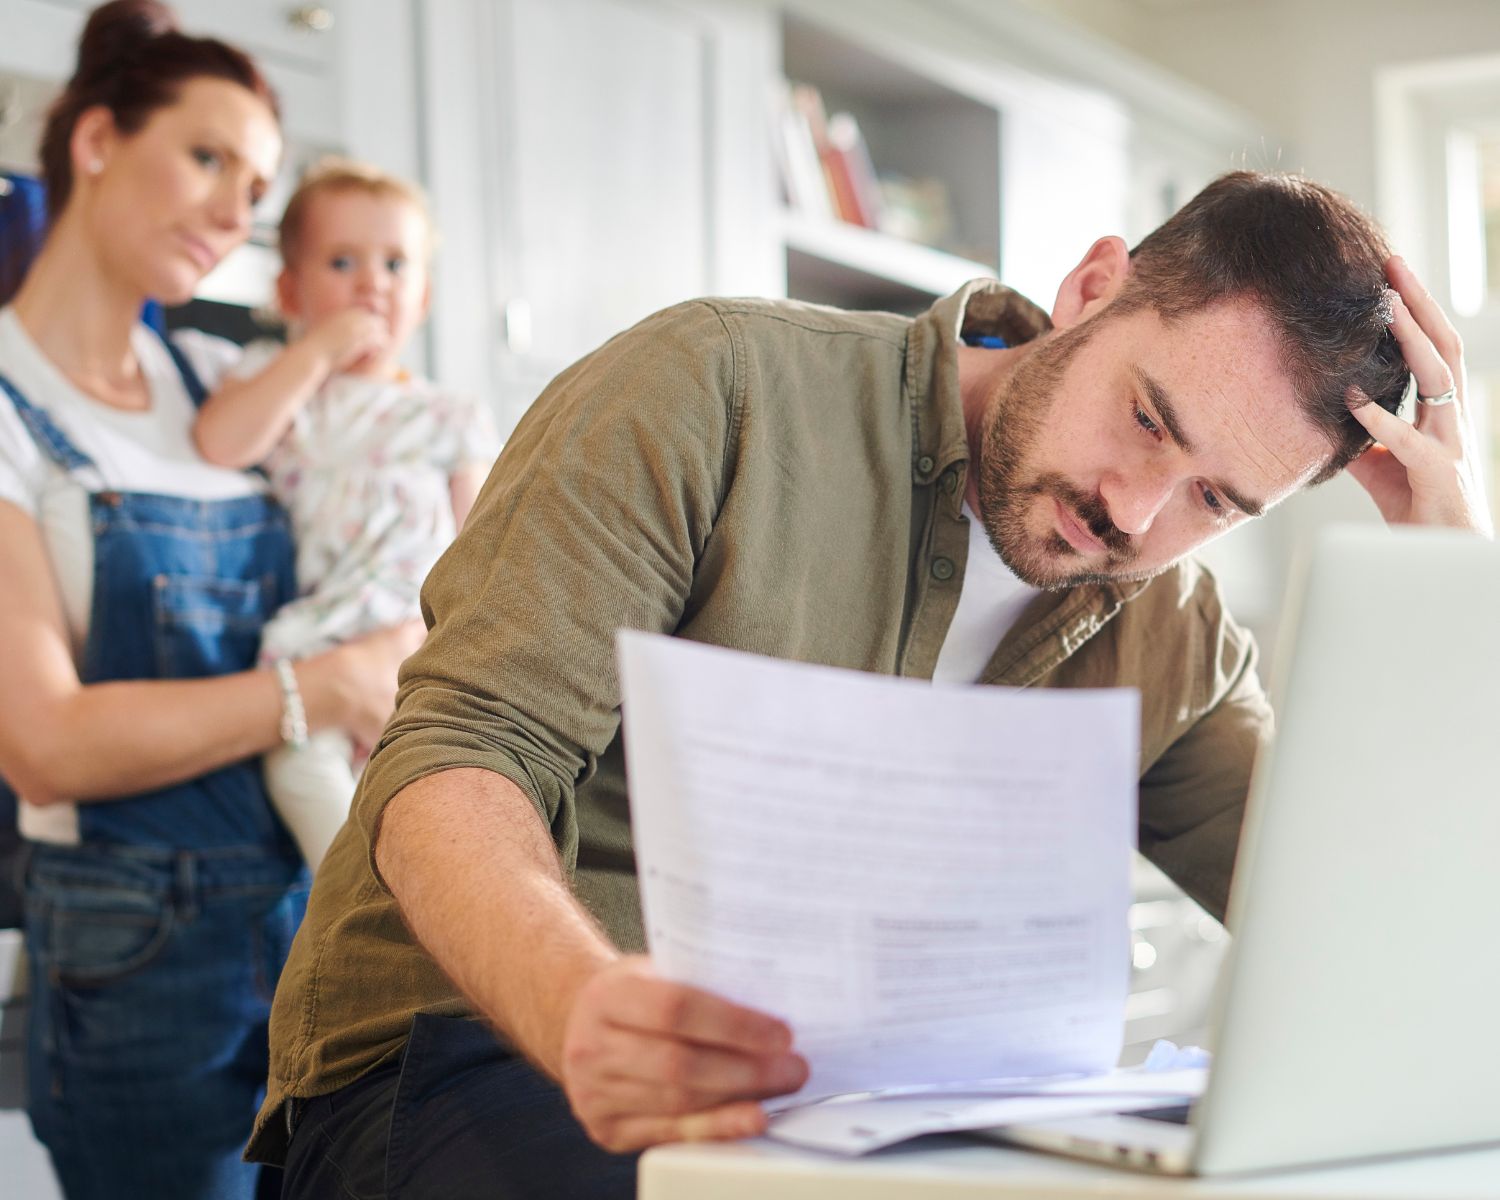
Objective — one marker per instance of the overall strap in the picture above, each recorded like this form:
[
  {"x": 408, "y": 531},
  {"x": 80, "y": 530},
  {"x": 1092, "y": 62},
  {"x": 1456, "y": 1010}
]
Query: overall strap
[
  {"x": 197, "y": 393},
  {"x": 49, "y": 438}
]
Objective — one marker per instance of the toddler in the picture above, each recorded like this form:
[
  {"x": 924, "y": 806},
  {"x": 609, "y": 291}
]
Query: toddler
[{"x": 376, "y": 467}]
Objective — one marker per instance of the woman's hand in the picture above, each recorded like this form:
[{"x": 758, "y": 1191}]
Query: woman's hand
[
  {"x": 353, "y": 686},
  {"x": 1426, "y": 473}
]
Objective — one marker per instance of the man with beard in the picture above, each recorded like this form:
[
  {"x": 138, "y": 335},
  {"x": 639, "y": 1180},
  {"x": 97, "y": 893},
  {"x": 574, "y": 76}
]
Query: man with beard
[{"x": 980, "y": 494}]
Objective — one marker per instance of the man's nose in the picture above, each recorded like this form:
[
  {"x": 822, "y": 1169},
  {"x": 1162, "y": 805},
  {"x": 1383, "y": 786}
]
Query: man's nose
[{"x": 1135, "y": 501}]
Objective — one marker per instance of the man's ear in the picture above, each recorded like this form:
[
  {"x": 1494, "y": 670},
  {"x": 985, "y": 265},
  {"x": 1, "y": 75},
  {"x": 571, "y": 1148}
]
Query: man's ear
[{"x": 1093, "y": 283}]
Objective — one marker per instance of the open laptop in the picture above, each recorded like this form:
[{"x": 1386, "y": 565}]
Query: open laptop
[{"x": 1358, "y": 1013}]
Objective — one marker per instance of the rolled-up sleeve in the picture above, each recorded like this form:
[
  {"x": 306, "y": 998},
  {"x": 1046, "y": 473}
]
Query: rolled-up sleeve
[{"x": 592, "y": 520}]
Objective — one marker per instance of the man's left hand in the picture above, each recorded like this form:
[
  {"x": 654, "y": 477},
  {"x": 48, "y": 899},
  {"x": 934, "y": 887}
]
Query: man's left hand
[{"x": 1425, "y": 473}]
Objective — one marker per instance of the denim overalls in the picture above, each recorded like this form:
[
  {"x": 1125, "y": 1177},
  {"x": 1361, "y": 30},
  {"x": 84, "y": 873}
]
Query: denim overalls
[{"x": 155, "y": 944}]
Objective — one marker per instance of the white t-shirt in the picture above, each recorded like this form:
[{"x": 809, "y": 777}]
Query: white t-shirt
[
  {"x": 149, "y": 451},
  {"x": 991, "y": 601}
]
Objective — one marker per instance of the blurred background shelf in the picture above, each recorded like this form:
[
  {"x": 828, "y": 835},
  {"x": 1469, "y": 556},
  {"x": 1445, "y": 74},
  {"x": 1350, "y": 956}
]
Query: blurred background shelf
[{"x": 834, "y": 262}]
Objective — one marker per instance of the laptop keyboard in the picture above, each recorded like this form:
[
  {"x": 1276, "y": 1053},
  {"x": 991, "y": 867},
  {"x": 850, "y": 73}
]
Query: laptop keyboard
[{"x": 1176, "y": 1114}]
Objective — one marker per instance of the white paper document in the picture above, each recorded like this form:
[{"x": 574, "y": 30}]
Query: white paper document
[
  {"x": 929, "y": 883},
  {"x": 859, "y": 1125}
]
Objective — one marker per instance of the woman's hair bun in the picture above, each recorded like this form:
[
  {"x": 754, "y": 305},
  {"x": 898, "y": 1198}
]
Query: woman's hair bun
[
  {"x": 133, "y": 60},
  {"x": 119, "y": 29}
]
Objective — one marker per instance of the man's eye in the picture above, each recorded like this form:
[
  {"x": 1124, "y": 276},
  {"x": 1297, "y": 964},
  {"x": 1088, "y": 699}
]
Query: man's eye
[
  {"x": 210, "y": 160},
  {"x": 1146, "y": 423},
  {"x": 1214, "y": 505}
]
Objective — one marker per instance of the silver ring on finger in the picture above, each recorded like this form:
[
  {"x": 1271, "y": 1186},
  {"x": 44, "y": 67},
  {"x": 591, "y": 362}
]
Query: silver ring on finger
[{"x": 1440, "y": 399}]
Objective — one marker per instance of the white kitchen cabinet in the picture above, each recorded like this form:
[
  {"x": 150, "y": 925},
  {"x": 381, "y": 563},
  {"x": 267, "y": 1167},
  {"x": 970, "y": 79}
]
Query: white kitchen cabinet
[
  {"x": 40, "y": 41},
  {"x": 591, "y": 161},
  {"x": 1040, "y": 141}
]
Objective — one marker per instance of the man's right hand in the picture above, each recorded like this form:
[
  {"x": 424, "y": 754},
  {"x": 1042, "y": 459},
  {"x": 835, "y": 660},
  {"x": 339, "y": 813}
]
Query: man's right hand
[{"x": 646, "y": 1061}]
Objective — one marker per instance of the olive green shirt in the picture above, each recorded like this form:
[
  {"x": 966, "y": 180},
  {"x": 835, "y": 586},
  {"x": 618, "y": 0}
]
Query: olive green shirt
[{"x": 766, "y": 475}]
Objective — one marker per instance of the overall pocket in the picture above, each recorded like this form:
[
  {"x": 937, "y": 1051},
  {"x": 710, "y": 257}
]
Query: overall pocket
[{"x": 207, "y": 626}]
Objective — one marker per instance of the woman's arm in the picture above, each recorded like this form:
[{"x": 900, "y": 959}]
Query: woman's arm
[
  {"x": 243, "y": 419},
  {"x": 62, "y": 740}
]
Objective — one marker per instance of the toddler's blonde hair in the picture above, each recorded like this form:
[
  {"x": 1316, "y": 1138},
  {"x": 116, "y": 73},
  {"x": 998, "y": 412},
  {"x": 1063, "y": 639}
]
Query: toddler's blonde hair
[{"x": 332, "y": 176}]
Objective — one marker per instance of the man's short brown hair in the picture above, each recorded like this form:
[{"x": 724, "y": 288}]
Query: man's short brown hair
[{"x": 1313, "y": 262}]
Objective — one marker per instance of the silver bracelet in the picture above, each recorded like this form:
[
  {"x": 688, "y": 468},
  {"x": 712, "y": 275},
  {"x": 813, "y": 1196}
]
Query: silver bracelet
[{"x": 293, "y": 714}]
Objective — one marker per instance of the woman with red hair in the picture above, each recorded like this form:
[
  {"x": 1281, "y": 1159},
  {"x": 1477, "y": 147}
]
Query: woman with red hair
[{"x": 161, "y": 893}]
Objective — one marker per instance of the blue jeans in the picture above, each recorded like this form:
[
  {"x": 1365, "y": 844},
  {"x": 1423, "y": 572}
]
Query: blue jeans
[
  {"x": 152, "y": 971},
  {"x": 458, "y": 1117}
]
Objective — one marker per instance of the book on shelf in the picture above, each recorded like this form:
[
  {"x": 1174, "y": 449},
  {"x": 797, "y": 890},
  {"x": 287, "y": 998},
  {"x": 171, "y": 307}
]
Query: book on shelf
[
  {"x": 850, "y": 159},
  {"x": 826, "y": 166},
  {"x": 802, "y": 174},
  {"x": 828, "y": 174}
]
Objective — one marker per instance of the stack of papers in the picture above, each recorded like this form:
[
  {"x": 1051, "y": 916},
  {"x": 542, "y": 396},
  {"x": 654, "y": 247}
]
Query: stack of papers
[
  {"x": 929, "y": 883},
  {"x": 857, "y": 1125}
]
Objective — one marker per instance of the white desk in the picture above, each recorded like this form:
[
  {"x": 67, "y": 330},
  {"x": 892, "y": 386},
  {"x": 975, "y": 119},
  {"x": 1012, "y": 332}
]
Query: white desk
[{"x": 948, "y": 1169}]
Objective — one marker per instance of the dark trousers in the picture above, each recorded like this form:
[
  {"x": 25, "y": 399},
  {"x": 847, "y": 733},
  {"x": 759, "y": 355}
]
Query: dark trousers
[{"x": 458, "y": 1117}]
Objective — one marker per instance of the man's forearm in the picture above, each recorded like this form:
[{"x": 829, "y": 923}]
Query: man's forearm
[{"x": 478, "y": 881}]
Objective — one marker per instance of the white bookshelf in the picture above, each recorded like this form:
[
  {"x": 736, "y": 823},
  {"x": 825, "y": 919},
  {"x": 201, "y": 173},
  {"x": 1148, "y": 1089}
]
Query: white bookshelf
[
  {"x": 916, "y": 127},
  {"x": 833, "y": 262},
  {"x": 1033, "y": 168}
]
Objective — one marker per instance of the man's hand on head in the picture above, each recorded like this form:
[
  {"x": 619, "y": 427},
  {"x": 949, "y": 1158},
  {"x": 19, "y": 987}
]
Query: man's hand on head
[
  {"x": 1425, "y": 473},
  {"x": 646, "y": 1061}
]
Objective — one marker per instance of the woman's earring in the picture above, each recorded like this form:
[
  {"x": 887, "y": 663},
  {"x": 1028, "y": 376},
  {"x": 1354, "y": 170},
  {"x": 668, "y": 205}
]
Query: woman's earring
[{"x": 95, "y": 166}]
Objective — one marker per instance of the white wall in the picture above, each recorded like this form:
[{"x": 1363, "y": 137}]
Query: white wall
[
  {"x": 1307, "y": 69},
  {"x": 1304, "y": 70}
]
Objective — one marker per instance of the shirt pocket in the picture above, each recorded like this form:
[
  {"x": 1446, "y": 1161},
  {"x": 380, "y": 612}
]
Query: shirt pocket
[{"x": 208, "y": 626}]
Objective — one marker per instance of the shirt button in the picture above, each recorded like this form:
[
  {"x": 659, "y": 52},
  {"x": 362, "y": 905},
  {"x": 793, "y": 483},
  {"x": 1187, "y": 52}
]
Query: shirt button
[
  {"x": 942, "y": 569},
  {"x": 925, "y": 464}
]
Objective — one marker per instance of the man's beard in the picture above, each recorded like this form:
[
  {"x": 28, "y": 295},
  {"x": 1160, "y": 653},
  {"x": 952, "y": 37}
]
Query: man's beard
[{"x": 1007, "y": 494}]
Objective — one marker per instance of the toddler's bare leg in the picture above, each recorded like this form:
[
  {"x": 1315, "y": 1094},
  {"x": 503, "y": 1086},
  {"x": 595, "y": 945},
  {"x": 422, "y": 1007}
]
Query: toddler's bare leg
[{"x": 311, "y": 787}]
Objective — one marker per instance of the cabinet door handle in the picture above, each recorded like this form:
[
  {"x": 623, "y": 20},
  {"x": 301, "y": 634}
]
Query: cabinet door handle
[
  {"x": 517, "y": 321},
  {"x": 310, "y": 18}
]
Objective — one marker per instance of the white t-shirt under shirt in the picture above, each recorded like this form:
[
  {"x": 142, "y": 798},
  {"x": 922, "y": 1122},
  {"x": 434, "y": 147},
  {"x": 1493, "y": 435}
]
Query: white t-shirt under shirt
[
  {"x": 150, "y": 451},
  {"x": 991, "y": 601}
]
